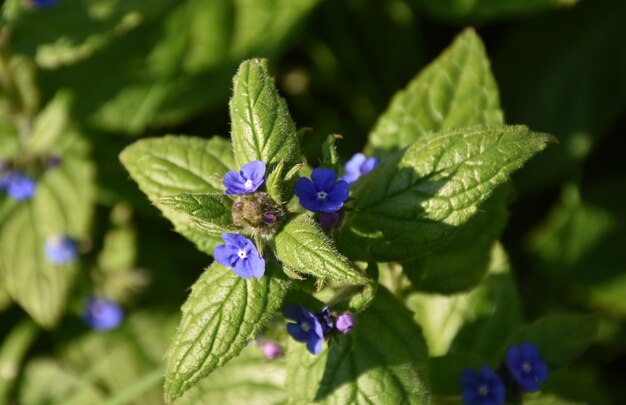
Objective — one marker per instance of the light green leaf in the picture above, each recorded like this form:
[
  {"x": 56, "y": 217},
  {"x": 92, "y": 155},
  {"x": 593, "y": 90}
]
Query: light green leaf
[
  {"x": 490, "y": 9},
  {"x": 50, "y": 124},
  {"x": 456, "y": 90},
  {"x": 416, "y": 199},
  {"x": 462, "y": 263},
  {"x": 383, "y": 360},
  {"x": 222, "y": 314},
  {"x": 249, "y": 378},
  {"x": 62, "y": 204},
  {"x": 304, "y": 247},
  {"x": 262, "y": 128},
  {"x": 209, "y": 213},
  {"x": 547, "y": 334},
  {"x": 175, "y": 164},
  {"x": 15, "y": 345}
]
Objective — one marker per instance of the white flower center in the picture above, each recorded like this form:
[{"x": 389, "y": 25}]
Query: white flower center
[
  {"x": 242, "y": 254},
  {"x": 305, "y": 326},
  {"x": 248, "y": 184},
  {"x": 483, "y": 390},
  {"x": 526, "y": 367},
  {"x": 321, "y": 195}
]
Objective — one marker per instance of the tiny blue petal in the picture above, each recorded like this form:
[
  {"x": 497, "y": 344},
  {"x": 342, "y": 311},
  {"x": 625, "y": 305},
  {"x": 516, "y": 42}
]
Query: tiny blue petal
[
  {"x": 241, "y": 255},
  {"x": 526, "y": 366},
  {"x": 43, "y": 3},
  {"x": 102, "y": 314},
  {"x": 321, "y": 193},
  {"x": 307, "y": 327},
  {"x": 61, "y": 249},
  {"x": 247, "y": 181},
  {"x": 358, "y": 166},
  {"x": 18, "y": 186},
  {"x": 483, "y": 387}
]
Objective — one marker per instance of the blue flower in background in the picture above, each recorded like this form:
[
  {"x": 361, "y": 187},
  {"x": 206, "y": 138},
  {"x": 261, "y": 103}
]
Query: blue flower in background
[
  {"x": 526, "y": 366},
  {"x": 102, "y": 314},
  {"x": 357, "y": 166},
  {"x": 482, "y": 387},
  {"x": 247, "y": 181},
  {"x": 61, "y": 249},
  {"x": 43, "y": 3},
  {"x": 306, "y": 329},
  {"x": 322, "y": 194},
  {"x": 18, "y": 186},
  {"x": 240, "y": 254}
]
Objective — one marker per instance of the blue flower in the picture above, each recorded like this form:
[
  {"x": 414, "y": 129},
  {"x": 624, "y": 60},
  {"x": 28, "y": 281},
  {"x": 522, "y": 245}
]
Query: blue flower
[
  {"x": 357, "y": 166},
  {"x": 102, "y": 314},
  {"x": 482, "y": 387},
  {"x": 306, "y": 329},
  {"x": 18, "y": 186},
  {"x": 43, "y": 3},
  {"x": 61, "y": 249},
  {"x": 240, "y": 254},
  {"x": 247, "y": 181},
  {"x": 326, "y": 319},
  {"x": 526, "y": 366},
  {"x": 322, "y": 194},
  {"x": 344, "y": 323}
]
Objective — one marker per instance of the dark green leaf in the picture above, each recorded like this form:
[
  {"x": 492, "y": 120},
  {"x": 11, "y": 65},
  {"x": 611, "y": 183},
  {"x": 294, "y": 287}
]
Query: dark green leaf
[
  {"x": 416, "y": 199},
  {"x": 490, "y": 9},
  {"x": 304, "y": 247},
  {"x": 222, "y": 314}
]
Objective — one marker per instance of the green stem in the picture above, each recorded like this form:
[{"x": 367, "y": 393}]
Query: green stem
[{"x": 12, "y": 352}]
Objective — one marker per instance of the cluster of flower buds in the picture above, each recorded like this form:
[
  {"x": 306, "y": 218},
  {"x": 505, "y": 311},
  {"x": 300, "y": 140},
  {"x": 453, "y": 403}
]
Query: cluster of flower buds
[
  {"x": 314, "y": 328},
  {"x": 523, "y": 371}
]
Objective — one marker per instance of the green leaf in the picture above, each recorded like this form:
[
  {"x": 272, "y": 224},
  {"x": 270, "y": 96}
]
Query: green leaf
[
  {"x": 463, "y": 262},
  {"x": 222, "y": 314},
  {"x": 330, "y": 157},
  {"x": 456, "y": 90},
  {"x": 62, "y": 204},
  {"x": 175, "y": 164},
  {"x": 50, "y": 124},
  {"x": 547, "y": 334},
  {"x": 209, "y": 213},
  {"x": 249, "y": 378},
  {"x": 262, "y": 128},
  {"x": 490, "y": 9},
  {"x": 416, "y": 199},
  {"x": 549, "y": 399},
  {"x": 383, "y": 359},
  {"x": 304, "y": 247},
  {"x": 474, "y": 322},
  {"x": 14, "y": 347}
]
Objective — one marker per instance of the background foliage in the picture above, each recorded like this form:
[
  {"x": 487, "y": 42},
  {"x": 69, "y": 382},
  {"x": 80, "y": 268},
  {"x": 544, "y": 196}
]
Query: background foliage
[{"x": 90, "y": 77}]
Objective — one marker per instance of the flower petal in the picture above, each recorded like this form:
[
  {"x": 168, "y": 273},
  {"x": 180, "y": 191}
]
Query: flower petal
[
  {"x": 354, "y": 164},
  {"x": 305, "y": 189},
  {"x": 257, "y": 264},
  {"x": 323, "y": 179},
  {"x": 369, "y": 165},
  {"x": 314, "y": 344},
  {"x": 293, "y": 312},
  {"x": 226, "y": 255},
  {"x": 296, "y": 332},
  {"x": 234, "y": 183},
  {"x": 243, "y": 269},
  {"x": 254, "y": 171}
]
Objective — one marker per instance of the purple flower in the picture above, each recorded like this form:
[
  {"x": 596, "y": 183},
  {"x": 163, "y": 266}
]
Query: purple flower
[
  {"x": 345, "y": 323},
  {"x": 307, "y": 328},
  {"x": 526, "y": 366},
  {"x": 272, "y": 350},
  {"x": 247, "y": 181},
  {"x": 102, "y": 314},
  {"x": 322, "y": 194},
  {"x": 240, "y": 254},
  {"x": 357, "y": 166},
  {"x": 328, "y": 220},
  {"x": 18, "y": 186},
  {"x": 61, "y": 249},
  {"x": 482, "y": 387}
]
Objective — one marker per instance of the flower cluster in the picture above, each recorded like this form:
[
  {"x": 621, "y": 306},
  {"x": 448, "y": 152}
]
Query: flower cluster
[
  {"x": 314, "y": 328},
  {"x": 524, "y": 370},
  {"x": 102, "y": 314}
]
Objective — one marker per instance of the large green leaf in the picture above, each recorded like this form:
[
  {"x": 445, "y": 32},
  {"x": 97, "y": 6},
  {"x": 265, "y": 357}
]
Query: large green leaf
[
  {"x": 417, "y": 198},
  {"x": 62, "y": 204},
  {"x": 250, "y": 378},
  {"x": 222, "y": 314},
  {"x": 172, "y": 165},
  {"x": 304, "y": 247},
  {"x": 383, "y": 360},
  {"x": 262, "y": 128},
  {"x": 489, "y": 9},
  {"x": 456, "y": 90}
]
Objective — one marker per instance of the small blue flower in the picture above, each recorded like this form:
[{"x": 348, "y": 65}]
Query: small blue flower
[
  {"x": 358, "y": 166},
  {"x": 18, "y": 186},
  {"x": 526, "y": 366},
  {"x": 344, "y": 323},
  {"x": 306, "y": 329},
  {"x": 482, "y": 387},
  {"x": 240, "y": 254},
  {"x": 61, "y": 249},
  {"x": 102, "y": 314},
  {"x": 43, "y": 3},
  {"x": 322, "y": 194},
  {"x": 247, "y": 181}
]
